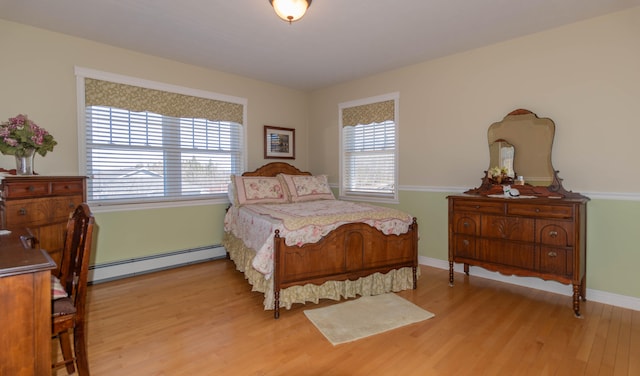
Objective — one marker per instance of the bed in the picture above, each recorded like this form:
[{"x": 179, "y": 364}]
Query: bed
[{"x": 291, "y": 258}]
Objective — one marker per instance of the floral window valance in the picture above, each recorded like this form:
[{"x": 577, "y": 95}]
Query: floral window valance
[
  {"x": 139, "y": 99},
  {"x": 378, "y": 112}
]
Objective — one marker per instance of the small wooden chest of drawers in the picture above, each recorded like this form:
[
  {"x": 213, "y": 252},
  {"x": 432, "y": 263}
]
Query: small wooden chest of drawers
[
  {"x": 42, "y": 204},
  {"x": 539, "y": 237}
]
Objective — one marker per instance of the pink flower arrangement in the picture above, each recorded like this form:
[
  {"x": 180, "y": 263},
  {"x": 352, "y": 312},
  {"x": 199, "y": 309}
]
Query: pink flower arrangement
[{"x": 19, "y": 134}]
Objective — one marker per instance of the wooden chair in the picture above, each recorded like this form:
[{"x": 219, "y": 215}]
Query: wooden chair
[{"x": 68, "y": 314}]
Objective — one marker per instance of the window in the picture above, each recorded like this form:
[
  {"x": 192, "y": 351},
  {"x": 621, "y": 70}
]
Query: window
[
  {"x": 139, "y": 150},
  {"x": 368, "y": 159}
]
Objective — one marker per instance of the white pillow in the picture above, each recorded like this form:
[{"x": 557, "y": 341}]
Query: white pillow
[
  {"x": 307, "y": 187},
  {"x": 231, "y": 192}
]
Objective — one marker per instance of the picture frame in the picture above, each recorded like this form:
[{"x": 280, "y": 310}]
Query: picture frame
[{"x": 279, "y": 143}]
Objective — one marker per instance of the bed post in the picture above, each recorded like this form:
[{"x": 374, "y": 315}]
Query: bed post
[{"x": 276, "y": 275}]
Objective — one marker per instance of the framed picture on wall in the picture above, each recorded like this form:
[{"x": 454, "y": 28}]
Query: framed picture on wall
[{"x": 279, "y": 142}]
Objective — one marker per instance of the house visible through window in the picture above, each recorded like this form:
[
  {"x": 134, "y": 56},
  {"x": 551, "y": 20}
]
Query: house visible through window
[
  {"x": 369, "y": 149},
  {"x": 152, "y": 155}
]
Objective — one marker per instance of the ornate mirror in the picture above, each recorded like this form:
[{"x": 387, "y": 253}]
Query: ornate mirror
[
  {"x": 520, "y": 145},
  {"x": 532, "y": 138}
]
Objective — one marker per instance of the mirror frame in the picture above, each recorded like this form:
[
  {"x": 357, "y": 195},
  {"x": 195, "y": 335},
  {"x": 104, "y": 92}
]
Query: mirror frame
[{"x": 554, "y": 190}]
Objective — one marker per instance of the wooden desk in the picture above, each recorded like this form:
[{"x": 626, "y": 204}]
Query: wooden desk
[{"x": 25, "y": 308}]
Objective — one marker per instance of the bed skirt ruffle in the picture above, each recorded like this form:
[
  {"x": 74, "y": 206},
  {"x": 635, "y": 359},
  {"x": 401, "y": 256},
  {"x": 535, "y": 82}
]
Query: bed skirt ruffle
[{"x": 375, "y": 284}]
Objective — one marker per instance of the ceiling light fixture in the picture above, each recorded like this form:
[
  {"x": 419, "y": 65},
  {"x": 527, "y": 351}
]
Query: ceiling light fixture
[{"x": 290, "y": 10}]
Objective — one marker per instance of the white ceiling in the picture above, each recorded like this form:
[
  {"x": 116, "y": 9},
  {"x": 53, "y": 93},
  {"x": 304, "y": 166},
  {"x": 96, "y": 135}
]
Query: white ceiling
[{"x": 337, "y": 41}]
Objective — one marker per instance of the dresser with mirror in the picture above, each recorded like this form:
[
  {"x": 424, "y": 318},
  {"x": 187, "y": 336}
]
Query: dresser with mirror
[{"x": 521, "y": 220}]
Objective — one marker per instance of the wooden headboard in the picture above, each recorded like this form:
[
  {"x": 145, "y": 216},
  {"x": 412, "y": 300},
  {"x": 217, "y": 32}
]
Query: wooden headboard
[{"x": 275, "y": 168}]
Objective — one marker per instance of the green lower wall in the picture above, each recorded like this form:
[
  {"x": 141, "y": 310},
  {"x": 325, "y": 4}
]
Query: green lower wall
[
  {"x": 613, "y": 254},
  {"x": 612, "y": 232},
  {"x": 132, "y": 234}
]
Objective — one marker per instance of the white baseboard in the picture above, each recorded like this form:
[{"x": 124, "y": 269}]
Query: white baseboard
[
  {"x": 536, "y": 283},
  {"x": 128, "y": 268}
]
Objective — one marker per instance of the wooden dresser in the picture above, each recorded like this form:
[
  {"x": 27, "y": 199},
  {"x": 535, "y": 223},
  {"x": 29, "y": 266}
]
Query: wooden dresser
[
  {"x": 42, "y": 204},
  {"x": 535, "y": 237}
]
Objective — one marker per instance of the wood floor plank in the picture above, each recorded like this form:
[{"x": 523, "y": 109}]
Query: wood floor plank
[
  {"x": 634, "y": 344},
  {"x": 203, "y": 319},
  {"x": 611, "y": 343},
  {"x": 621, "y": 361}
]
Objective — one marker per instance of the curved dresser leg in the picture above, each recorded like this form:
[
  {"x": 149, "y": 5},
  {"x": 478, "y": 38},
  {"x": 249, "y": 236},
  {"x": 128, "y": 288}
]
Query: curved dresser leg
[
  {"x": 451, "y": 273},
  {"x": 576, "y": 300}
]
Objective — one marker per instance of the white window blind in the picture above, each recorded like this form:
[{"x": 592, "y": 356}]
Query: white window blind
[
  {"x": 369, "y": 152},
  {"x": 145, "y": 157},
  {"x": 369, "y": 159}
]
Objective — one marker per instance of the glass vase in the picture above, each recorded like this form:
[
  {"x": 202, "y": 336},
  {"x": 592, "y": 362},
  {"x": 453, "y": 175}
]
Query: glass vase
[{"x": 24, "y": 163}]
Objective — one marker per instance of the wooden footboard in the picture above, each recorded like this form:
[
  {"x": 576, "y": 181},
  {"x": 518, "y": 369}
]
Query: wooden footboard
[{"x": 350, "y": 252}]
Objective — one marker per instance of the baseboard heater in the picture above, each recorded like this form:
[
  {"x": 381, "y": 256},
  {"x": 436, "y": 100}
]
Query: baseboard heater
[{"x": 142, "y": 265}]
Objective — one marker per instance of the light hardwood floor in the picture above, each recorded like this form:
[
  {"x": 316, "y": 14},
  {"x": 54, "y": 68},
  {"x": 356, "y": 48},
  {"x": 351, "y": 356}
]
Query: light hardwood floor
[{"x": 203, "y": 319}]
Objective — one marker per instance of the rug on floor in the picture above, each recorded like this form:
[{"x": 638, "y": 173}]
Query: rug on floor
[{"x": 364, "y": 317}]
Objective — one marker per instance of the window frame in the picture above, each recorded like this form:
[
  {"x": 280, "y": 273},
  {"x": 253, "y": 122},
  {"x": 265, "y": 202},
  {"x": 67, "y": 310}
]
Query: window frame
[
  {"x": 369, "y": 197},
  {"x": 101, "y": 206}
]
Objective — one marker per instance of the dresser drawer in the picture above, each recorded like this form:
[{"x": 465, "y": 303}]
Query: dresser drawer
[
  {"x": 69, "y": 187},
  {"x": 26, "y": 189},
  {"x": 507, "y": 228},
  {"x": 511, "y": 254},
  {"x": 558, "y": 233},
  {"x": 478, "y": 206},
  {"x": 543, "y": 211},
  {"x": 466, "y": 223},
  {"x": 22, "y": 213},
  {"x": 465, "y": 246},
  {"x": 62, "y": 207},
  {"x": 38, "y": 211},
  {"x": 556, "y": 261}
]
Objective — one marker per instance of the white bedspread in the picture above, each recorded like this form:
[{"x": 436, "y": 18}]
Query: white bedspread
[{"x": 304, "y": 222}]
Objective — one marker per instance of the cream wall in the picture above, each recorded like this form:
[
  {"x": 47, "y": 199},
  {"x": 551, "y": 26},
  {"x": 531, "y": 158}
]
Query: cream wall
[
  {"x": 584, "y": 76},
  {"x": 37, "y": 78}
]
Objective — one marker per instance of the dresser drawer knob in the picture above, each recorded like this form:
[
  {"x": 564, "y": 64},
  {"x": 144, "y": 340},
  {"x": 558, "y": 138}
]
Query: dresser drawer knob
[
  {"x": 71, "y": 205},
  {"x": 465, "y": 242},
  {"x": 22, "y": 211},
  {"x": 31, "y": 188},
  {"x": 537, "y": 210},
  {"x": 477, "y": 206},
  {"x": 553, "y": 234},
  {"x": 552, "y": 254},
  {"x": 465, "y": 224}
]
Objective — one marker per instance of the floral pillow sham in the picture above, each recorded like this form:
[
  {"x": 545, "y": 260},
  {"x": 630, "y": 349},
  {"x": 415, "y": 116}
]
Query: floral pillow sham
[
  {"x": 307, "y": 188},
  {"x": 258, "y": 190}
]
